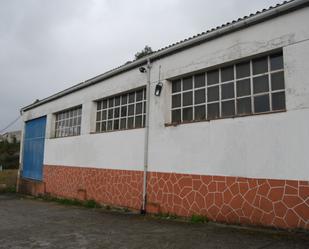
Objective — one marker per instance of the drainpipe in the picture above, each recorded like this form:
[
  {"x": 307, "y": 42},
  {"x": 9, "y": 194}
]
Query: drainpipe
[
  {"x": 21, "y": 154},
  {"x": 146, "y": 143}
]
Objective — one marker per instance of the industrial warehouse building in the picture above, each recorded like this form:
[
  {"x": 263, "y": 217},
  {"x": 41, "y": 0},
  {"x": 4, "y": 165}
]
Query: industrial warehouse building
[{"x": 215, "y": 125}]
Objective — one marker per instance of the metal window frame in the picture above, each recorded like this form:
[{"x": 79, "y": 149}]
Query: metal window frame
[
  {"x": 120, "y": 106},
  {"x": 252, "y": 95},
  {"x": 63, "y": 119}
]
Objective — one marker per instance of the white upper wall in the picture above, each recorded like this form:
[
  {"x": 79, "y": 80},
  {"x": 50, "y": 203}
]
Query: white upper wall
[{"x": 266, "y": 146}]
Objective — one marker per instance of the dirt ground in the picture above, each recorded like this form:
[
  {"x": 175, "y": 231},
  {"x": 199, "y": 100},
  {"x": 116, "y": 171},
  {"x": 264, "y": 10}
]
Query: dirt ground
[{"x": 31, "y": 223}]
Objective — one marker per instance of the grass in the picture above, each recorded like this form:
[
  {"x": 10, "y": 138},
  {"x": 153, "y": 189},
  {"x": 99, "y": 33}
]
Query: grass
[
  {"x": 91, "y": 204},
  {"x": 193, "y": 219},
  {"x": 8, "y": 177},
  {"x": 87, "y": 204},
  {"x": 8, "y": 180},
  {"x": 11, "y": 189},
  {"x": 198, "y": 219},
  {"x": 167, "y": 216},
  {"x": 71, "y": 202}
]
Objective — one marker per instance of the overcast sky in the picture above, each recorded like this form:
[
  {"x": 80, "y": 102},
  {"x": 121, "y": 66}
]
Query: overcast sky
[{"x": 47, "y": 46}]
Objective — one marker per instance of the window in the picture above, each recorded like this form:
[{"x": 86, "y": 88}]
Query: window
[
  {"x": 68, "y": 122},
  {"x": 124, "y": 111},
  {"x": 246, "y": 88}
]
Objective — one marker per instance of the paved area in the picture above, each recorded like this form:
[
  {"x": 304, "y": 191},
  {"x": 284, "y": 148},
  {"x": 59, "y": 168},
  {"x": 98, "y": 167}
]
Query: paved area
[{"x": 29, "y": 223}]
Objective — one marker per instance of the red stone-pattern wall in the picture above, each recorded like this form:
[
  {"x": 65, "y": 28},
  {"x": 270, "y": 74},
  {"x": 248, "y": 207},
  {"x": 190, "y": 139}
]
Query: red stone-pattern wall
[
  {"x": 108, "y": 186},
  {"x": 278, "y": 203},
  {"x": 266, "y": 202}
]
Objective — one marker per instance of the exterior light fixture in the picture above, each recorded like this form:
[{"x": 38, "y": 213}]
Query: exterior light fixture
[
  {"x": 142, "y": 69},
  {"x": 158, "y": 89}
]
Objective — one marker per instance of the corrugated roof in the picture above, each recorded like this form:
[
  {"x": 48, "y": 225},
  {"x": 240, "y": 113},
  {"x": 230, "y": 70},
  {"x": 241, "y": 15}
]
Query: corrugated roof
[{"x": 213, "y": 33}]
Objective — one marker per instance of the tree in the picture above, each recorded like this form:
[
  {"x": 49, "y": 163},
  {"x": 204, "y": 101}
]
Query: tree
[{"x": 146, "y": 51}]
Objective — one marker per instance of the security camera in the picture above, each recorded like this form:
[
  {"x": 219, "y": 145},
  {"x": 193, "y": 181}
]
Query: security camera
[{"x": 142, "y": 69}]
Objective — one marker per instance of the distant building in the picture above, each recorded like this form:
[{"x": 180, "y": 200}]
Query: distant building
[
  {"x": 228, "y": 133},
  {"x": 10, "y": 136}
]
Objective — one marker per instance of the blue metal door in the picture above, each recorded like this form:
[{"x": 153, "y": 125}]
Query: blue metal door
[{"x": 33, "y": 151}]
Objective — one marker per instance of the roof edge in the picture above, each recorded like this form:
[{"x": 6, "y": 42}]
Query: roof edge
[{"x": 264, "y": 15}]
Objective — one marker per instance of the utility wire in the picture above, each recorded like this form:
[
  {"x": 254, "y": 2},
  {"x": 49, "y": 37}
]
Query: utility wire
[{"x": 10, "y": 124}]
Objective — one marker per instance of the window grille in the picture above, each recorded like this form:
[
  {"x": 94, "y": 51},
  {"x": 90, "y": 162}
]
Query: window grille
[
  {"x": 68, "y": 122},
  {"x": 123, "y": 111},
  {"x": 246, "y": 88}
]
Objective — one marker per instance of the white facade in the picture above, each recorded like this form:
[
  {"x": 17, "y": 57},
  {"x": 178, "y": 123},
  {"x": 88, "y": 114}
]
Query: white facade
[{"x": 272, "y": 145}]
